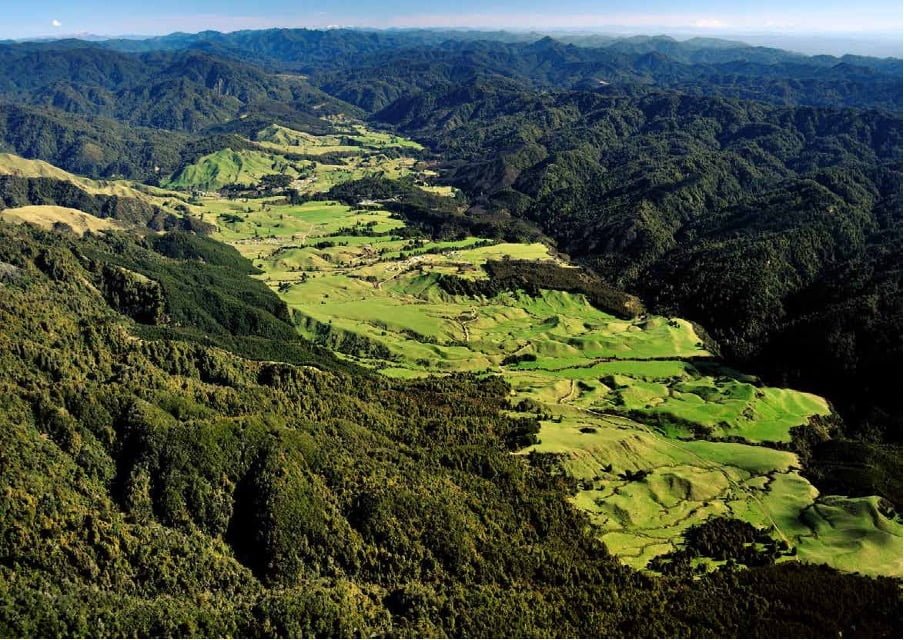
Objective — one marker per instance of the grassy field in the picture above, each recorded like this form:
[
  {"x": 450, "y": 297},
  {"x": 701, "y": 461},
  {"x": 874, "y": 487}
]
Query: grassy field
[
  {"x": 658, "y": 434},
  {"x": 47, "y": 216},
  {"x": 164, "y": 198},
  {"x": 356, "y": 153},
  {"x": 224, "y": 167},
  {"x": 356, "y": 139}
]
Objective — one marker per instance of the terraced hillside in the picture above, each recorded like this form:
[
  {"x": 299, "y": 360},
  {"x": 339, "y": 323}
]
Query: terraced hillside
[{"x": 658, "y": 436}]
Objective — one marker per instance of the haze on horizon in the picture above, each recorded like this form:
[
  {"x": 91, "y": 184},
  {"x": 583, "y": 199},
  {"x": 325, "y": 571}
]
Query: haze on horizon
[{"x": 870, "y": 27}]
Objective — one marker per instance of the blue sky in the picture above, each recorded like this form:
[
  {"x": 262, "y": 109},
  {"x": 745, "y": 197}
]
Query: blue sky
[{"x": 32, "y": 18}]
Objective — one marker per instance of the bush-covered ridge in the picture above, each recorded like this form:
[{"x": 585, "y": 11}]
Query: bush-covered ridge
[{"x": 532, "y": 276}]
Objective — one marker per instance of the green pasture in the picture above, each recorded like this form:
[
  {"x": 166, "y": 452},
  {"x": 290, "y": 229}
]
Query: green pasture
[
  {"x": 220, "y": 168},
  {"x": 356, "y": 139},
  {"x": 354, "y": 154}
]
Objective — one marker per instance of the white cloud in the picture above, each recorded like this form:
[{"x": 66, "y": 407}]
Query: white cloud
[
  {"x": 709, "y": 23},
  {"x": 726, "y": 21},
  {"x": 56, "y": 24}
]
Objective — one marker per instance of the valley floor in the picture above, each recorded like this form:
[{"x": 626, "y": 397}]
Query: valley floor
[{"x": 657, "y": 433}]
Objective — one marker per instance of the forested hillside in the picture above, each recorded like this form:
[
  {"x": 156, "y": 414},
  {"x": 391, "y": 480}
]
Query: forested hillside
[
  {"x": 366, "y": 65},
  {"x": 184, "y": 91},
  {"x": 728, "y": 212},
  {"x": 101, "y": 113}
]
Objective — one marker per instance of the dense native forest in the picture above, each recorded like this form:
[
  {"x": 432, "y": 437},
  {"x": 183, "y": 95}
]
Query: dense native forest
[{"x": 180, "y": 459}]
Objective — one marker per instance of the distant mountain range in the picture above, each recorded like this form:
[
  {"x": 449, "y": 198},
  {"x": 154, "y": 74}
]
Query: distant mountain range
[{"x": 878, "y": 45}]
